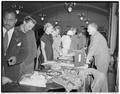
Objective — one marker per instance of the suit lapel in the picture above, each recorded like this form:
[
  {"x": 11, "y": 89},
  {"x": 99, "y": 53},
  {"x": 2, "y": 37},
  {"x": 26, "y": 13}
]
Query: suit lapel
[
  {"x": 13, "y": 40},
  {"x": 3, "y": 50}
]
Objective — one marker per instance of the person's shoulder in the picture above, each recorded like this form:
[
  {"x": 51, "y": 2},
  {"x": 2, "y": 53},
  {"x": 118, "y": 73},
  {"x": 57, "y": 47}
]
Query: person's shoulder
[
  {"x": 43, "y": 37},
  {"x": 74, "y": 37},
  {"x": 97, "y": 35},
  {"x": 100, "y": 35},
  {"x": 30, "y": 33},
  {"x": 59, "y": 36},
  {"x": 64, "y": 36},
  {"x": 19, "y": 32}
]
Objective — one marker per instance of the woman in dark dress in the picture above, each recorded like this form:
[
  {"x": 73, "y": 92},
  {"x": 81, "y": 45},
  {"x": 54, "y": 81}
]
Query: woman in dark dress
[{"x": 46, "y": 42}]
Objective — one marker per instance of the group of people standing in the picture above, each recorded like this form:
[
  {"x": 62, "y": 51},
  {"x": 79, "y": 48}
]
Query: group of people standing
[
  {"x": 54, "y": 45},
  {"x": 19, "y": 47}
]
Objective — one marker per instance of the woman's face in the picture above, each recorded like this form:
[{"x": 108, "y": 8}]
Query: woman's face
[
  {"x": 50, "y": 29},
  {"x": 74, "y": 31},
  {"x": 54, "y": 33},
  {"x": 29, "y": 25},
  {"x": 57, "y": 31}
]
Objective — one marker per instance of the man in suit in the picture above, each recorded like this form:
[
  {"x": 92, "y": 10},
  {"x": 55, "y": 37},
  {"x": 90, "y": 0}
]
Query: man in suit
[
  {"x": 98, "y": 48},
  {"x": 14, "y": 48},
  {"x": 28, "y": 65}
]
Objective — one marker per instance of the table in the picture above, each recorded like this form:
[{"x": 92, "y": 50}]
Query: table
[
  {"x": 51, "y": 87},
  {"x": 15, "y": 87}
]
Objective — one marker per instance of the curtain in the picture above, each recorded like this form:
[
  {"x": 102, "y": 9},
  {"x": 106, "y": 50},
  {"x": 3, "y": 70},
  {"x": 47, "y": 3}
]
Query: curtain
[{"x": 113, "y": 27}]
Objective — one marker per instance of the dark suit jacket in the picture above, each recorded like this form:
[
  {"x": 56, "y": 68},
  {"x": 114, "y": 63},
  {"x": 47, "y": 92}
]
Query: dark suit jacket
[{"x": 18, "y": 48}]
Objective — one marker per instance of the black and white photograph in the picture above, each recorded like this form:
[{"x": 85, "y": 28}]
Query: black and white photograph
[{"x": 59, "y": 46}]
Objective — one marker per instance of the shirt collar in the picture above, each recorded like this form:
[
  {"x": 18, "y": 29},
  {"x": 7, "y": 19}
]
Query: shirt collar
[
  {"x": 4, "y": 29},
  {"x": 9, "y": 32}
]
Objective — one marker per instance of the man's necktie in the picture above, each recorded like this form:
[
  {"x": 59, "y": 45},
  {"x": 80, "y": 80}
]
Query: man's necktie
[{"x": 5, "y": 41}]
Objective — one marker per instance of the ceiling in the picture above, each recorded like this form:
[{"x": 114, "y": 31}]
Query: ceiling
[
  {"x": 51, "y": 8},
  {"x": 35, "y": 7}
]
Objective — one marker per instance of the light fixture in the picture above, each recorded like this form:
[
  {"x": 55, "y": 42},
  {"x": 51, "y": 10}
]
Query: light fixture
[
  {"x": 70, "y": 9},
  {"x": 81, "y": 16},
  {"x": 17, "y": 8},
  {"x": 87, "y": 19},
  {"x": 87, "y": 22},
  {"x": 56, "y": 22},
  {"x": 17, "y": 11},
  {"x": 42, "y": 16},
  {"x": 70, "y": 6}
]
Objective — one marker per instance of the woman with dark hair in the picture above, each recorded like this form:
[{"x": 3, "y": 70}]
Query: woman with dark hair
[
  {"x": 27, "y": 27},
  {"x": 46, "y": 42}
]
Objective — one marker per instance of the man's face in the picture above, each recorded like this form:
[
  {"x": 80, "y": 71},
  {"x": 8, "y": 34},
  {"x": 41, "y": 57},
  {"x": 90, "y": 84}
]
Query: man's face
[
  {"x": 9, "y": 20},
  {"x": 29, "y": 25},
  {"x": 91, "y": 30}
]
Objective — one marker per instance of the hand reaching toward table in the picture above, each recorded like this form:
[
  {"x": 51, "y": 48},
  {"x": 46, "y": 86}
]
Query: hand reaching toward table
[{"x": 12, "y": 60}]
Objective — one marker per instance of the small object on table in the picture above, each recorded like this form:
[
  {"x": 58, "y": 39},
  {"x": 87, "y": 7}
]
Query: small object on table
[
  {"x": 70, "y": 58},
  {"x": 80, "y": 58},
  {"x": 53, "y": 65},
  {"x": 36, "y": 79}
]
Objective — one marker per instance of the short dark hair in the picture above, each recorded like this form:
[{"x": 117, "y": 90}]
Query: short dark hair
[
  {"x": 29, "y": 18},
  {"x": 9, "y": 11},
  {"x": 57, "y": 27}
]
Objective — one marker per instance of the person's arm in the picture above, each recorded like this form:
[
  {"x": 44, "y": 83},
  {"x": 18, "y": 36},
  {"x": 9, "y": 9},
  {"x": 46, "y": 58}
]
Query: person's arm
[
  {"x": 92, "y": 49},
  {"x": 38, "y": 51},
  {"x": 90, "y": 56},
  {"x": 43, "y": 51},
  {"x": 34, "y": 45},
  {"x": 84, "y": 41},
  {"x": 22, "y": 54}
]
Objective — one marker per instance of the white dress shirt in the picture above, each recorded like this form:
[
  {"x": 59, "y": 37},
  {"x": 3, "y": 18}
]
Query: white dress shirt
[
  {"x": 66, "y": 41},
  {"x": 10, "y": 32}
]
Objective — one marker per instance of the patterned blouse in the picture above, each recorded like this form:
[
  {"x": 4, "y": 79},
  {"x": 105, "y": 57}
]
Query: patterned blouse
[{"x": 56, "y": 46}]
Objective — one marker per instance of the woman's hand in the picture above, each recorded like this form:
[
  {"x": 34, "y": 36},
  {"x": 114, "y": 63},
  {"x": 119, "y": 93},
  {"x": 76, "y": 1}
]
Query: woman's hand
[{"x": 88, "y": 59}]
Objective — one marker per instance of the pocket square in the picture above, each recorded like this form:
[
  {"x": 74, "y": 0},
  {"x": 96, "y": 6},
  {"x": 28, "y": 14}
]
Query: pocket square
[{"x": 19, "y": 44}]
